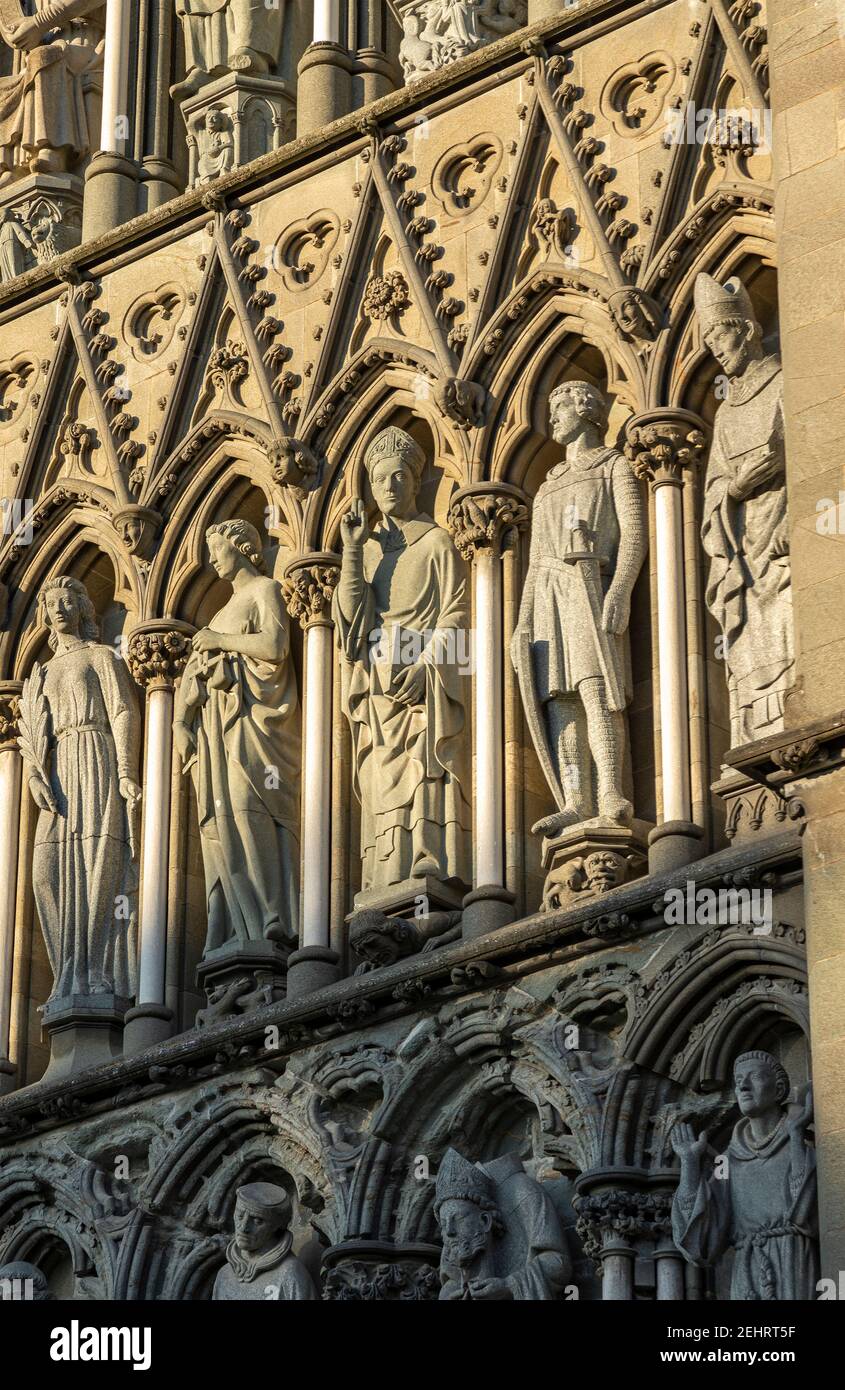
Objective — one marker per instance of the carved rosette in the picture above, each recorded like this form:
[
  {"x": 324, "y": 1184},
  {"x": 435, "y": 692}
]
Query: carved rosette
[
  {"x": 481, "y": 517},
  {"x": 158, "y": 653},
  {"x": 309, "y": 585},
  {"x": 9, "y": 712},
  {"x": 660, "y": 444}
]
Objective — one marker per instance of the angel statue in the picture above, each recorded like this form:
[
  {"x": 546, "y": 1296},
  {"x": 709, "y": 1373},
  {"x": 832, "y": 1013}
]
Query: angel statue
[
  {"x": 50, "y": 108},
  {"x": 79, "y": 737}
]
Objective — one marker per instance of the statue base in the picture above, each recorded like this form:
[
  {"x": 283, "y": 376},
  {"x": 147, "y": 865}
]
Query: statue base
[
  {"x": 145, "y": 1026},
  {"x": 673, "y": 845},
  {"x": 413, "y": 897},
  {"x": 241, "y": 976},
  {"x": 752, "y": 811},
  {"x": 311, "y": 968},
  {"x": 250, "y": 116},
  {"x": 48, "y": 209},
  {"x": 8, "y": 1076},
  {"x": 85, "y": 1030},
  {"x": 592, "y": 858}
]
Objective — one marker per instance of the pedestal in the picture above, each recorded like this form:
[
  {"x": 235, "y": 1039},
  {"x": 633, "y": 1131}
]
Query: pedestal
[
  {"x": 591, "y": 858},
  {"x": 310, "y": 969},
  {"x": 413, "y": 897},
  {"x": 237, "y": 118},
  {"x": 752, "y": 810},
  {"x": 241, "y": 976},
  {"x": 47, "y": 209},
  {"x": 85, "y": 1030}
]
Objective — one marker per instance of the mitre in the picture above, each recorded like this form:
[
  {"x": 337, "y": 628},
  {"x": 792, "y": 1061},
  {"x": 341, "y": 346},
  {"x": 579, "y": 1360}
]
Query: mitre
[
  {"x": 461, "y": 1181},
  {"x": 714, "y": 302},
  {"x": 395, "y": 443}
]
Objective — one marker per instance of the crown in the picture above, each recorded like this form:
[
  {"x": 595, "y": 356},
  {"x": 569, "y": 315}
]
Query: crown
[
  {"x": 714, "y": 302},
  {"x": 461, "y": 1181},
  {"x": 393, "y": 443}
]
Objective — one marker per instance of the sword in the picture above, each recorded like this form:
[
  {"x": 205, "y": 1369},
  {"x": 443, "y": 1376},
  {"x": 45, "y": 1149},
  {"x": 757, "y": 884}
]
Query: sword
[{"x": 587, "y": 565}]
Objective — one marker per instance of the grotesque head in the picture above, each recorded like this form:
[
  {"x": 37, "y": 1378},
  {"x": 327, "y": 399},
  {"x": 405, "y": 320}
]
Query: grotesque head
[
  {"x": 577, "y": 407},
  {"x": 728, "y": 326},
  {"x": 67, "y": 610},
  {"x": 761, "y": 1083},
  {"x": 394, "y": 462},
  {"x": 466, "y": 1210},
  {"x": 262, "y": 1215},
  {"x": 232, "y": 542}
]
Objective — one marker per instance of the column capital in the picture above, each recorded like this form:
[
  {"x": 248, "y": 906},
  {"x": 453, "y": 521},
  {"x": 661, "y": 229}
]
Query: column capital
[
  {"x": 9, "y": 712},
  {"x": 158, "y": 651},
  {"x": 660, "y": 443},
  {"x": 309, "y": 584},
  {"x": 481, "y": 515}
]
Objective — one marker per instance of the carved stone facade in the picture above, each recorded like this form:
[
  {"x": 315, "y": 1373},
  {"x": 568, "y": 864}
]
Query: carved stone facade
[{"x": 430, "y": 864}]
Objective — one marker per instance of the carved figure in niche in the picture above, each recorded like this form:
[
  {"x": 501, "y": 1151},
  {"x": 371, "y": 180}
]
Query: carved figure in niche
[
  {"x": 23, "y": 1282},
  {"x": 15, "y": 241},
  {"x": 259, "y": 1260},
  {"x": 570, "y": 648},
  {"x": 237, "y": 730},
  {"x": 745, "y": 530},
  {"x": 764, "y": 1206},
  {"x": 416, "y": 54},
  {"x": 229, "y": 36},
  {"x": 218, "y": 146},
  {"x": 502, "y": 1237},
  {"x": 401, "y": 615},
  {"x": 79, "y": 737},
  {"x": 50, "y": 108}
]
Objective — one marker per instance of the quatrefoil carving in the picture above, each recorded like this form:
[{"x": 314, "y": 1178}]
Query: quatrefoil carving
[
  {"x": 302, "y": 252},
  {"x": 462, "y": 176},
  {"x": 150, "y": 321},
  {"x": 634, "y": 96}
]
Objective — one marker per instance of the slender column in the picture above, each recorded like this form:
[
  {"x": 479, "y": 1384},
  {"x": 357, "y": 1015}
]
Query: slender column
[
  {"x": 669, "y": 1266},
  {"x": 324, "y": 76},
  {"x": 479, "y": 518},
  {"x": 659, "y": 445},
  {"x": 10, "y": 812},
  {"x": 156, "y": 655},
  {"x": 309, "y": 585},
  {"x": 111, "y": 180},
  {"x": 617, "y": 1272}
]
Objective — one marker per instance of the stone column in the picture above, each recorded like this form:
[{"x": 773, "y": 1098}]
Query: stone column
[
  {"x": 111, "y": 179},
  {"x": 807, "y": 74},
  {"x": 479, "y": 518},
  {"x": 160, "y": 179},
  {"x": 324, "y": 75},
  {"x": 10, "y": 814},
  {"x": 660, "y": 444},
  {"x": 157, "y": 654},
  {"x": 309, "y": 585}
]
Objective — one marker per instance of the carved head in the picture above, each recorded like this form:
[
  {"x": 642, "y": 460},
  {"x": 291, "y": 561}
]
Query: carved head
[
  {"x": 728, "y": 326},
  {"x": 575, "y": 407},
  {"x": 394, "y": 463},
  {"x": 262, "y": 1213},
  {"x": 67, "y": 610},
  {"x": 466, "y": 1210},
  {"x": 232, "y": 542},
  {"x": 761, "y": 1083}
]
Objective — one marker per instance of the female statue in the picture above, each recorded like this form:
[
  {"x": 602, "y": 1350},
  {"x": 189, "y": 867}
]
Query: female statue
[
  {"x": 79, "y": 736},
  {"x": 237, "y": 730}
]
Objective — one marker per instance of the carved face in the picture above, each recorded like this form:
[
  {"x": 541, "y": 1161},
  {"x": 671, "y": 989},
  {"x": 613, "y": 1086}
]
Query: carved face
[
  {"x": 756, "y": 1087},
  {"x": 256, "y": 1230},
  {"x": 225, "y": 557},
  {"x": 132, "y": 532},
  {"x": 394, "y": 487},
  {"x": 568, "y": 418},
  {"x": 730, "y": 345},
  {"x": 63, "y": 613},
  {"x": 466, "y": 1231}
]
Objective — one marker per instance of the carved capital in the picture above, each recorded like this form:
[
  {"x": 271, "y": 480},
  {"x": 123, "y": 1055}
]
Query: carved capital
[
  {"x": 660, "y": 444},
  {"x": 9, "y": 712},
  {"x": 158, "y": 652},
  {"x": 620, "y": 1218},
  {"x": 480, "y": 516},
  {"x": 309, "y": 584}
]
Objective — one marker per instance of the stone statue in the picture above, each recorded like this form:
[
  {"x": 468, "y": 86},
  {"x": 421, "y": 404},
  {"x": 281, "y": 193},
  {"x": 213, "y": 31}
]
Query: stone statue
[
  {"x": 502, "y": 1237},
  {"x": 23, "y": 1282},
  {"x": 745, "y": 530},
  {"x": 259, "y": 1260},
  {"x": 237, "y": 730},
  {"x": 50, "y": 108},
  {"x": 570, "y": 648},
  {"x": 217, "y": 146},
  {"x": 79, "y": 736},
  {"x": 229, "y": 36},
  {"x": 400, "y": 610},
  {"x": 15, "y": 242},
  {"x": 764, "y": 1203}
]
